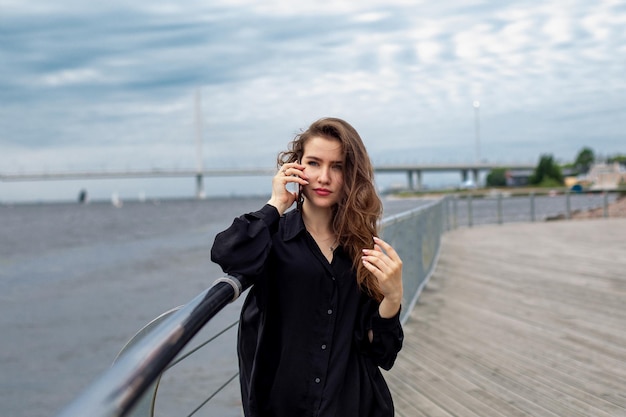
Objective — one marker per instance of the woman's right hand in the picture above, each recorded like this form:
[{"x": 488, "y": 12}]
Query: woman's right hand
[{"x": 282, "y": 198}]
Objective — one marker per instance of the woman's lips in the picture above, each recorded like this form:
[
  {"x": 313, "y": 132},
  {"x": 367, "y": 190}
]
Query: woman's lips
[{"x": 322, "y": 192}]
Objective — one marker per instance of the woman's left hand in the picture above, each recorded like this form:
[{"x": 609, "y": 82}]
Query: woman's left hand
[{"x": 385, "y": 264}]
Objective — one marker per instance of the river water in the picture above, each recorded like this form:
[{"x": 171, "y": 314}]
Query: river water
[{"x": 77, "y": 282}]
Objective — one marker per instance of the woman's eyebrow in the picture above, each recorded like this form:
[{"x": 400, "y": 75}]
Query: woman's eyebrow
[{"x": 315, "y": 158}]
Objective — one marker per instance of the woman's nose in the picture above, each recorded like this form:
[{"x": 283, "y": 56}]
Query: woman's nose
[{"x": 324, "y": 175}]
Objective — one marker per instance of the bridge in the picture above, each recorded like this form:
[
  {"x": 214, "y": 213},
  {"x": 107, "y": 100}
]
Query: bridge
[{"x": 413, "y": 172}]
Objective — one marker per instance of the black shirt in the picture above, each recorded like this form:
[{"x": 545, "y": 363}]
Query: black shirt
[{"x": 303, "y": 335}]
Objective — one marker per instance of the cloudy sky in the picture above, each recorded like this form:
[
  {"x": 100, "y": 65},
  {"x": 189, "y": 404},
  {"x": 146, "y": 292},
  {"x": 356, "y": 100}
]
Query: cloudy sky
[{"x": 111, "y": 85}]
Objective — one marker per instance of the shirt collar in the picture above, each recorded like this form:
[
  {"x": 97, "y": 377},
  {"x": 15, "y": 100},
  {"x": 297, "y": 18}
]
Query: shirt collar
[{"x": 294, "y": 225}]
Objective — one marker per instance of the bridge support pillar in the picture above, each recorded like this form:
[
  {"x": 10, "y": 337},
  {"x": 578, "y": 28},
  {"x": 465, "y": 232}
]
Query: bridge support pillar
[
  {"x": 411, "y": 179},
  {"x": 475, "y": 175},
  {"x": 463, "y": 175},
  {"x": 199, "y": 186}
]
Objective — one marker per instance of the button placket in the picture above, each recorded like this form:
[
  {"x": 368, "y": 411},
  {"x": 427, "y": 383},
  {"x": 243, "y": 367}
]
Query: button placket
[{"x": 323, "y": 347}]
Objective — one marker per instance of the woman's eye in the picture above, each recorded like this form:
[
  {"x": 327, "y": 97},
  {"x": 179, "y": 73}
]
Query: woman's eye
[
  {"x": 313, "y": 163},
  {"x": 338, "y": 167}
]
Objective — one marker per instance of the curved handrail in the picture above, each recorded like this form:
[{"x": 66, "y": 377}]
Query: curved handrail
[
  {"x": 119, "y": 388},
  {"x": 146, "y": 404}
]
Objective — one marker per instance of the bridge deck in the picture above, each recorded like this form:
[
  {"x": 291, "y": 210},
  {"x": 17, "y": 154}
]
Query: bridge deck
[{"x": 520, "y": 320}]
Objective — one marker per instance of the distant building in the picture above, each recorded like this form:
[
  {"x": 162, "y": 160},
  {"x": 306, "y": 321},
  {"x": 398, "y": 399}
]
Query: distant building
[
  {"x": 521, "y": 177},
  {"x": 518, "y": 178},
  {"x": 606, "y": 176},
  {"x": 599, "y": 177}
]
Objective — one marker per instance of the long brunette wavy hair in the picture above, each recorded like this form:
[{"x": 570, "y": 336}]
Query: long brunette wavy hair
[{"x": 356, "y": 216}]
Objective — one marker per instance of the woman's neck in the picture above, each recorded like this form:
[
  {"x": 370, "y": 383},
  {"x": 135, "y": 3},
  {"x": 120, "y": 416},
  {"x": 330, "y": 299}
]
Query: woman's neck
[{"x": 317, "y": 220}]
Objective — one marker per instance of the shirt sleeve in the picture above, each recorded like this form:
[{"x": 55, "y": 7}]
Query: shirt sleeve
[
  {"x": 243, "y": 248},
  {"x": 387, "y": 340},
  {"x": 387, "y": 335}
]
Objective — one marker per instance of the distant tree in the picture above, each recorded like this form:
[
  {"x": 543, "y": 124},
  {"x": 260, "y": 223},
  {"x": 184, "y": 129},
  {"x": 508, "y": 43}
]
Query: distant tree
[
  {"x": 584, "y": 160},
  {"x": 621, "y": 159},
  {"x": 496, "y": 177},
  {"x": 547, "y": 173}
]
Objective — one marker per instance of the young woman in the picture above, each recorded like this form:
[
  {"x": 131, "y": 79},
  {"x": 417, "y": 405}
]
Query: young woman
[{"x": 323, "y": 314}]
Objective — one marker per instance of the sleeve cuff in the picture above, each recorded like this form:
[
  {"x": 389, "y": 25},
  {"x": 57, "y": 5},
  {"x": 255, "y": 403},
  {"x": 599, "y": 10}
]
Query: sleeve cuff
[
  {"x": 269, "y": 214},
  {"x": 379, "y": 323}
]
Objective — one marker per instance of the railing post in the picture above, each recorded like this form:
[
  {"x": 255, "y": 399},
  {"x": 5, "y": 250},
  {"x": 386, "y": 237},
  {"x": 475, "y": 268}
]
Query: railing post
[
  {"x": 532, "y": 206},
  {"x": 499, "y": 208},
  {"x": 568, "y": 204},
  {"x": 447, "y": 213},
  {"x": 606, "y": 205},
  {"x": 455, "y": 211},
  {"x": 470, "y": 214}
]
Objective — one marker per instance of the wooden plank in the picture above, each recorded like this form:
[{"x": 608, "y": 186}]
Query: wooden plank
[
  {"x": 407, "y": 396},
  {"x": 520, "y": 320}
]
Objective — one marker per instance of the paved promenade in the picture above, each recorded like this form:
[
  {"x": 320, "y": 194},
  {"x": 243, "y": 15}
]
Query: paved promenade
[{"x": 520, "y": 320}]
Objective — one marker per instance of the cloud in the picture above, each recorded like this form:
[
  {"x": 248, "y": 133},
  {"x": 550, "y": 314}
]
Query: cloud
[
  {"x": 73, "y": 76},
  {"x": 558, "y": 29},
  {"x": 100, "y": 78}
]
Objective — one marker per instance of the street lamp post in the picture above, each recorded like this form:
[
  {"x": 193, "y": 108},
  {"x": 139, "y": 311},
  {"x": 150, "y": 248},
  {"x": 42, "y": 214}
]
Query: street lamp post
[{"x": 477, "y": 128}]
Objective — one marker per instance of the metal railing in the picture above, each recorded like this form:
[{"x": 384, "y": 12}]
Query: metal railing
[
  {"x": 416, "y": 236},
  {"x": 130, "y": 385},
  {"x": 120, "y": 388},
  {"x": 477, "y": 207}
]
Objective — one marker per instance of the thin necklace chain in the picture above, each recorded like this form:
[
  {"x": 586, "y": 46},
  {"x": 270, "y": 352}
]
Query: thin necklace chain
[{"x": 333, "y": 246}]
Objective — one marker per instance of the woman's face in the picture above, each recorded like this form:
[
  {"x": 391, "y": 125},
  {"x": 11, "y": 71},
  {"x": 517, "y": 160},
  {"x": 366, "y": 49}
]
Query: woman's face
[{"x": 324, "y": 164}]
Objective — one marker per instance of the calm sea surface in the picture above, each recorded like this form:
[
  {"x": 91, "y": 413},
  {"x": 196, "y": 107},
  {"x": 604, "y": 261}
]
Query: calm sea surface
[{"x": 77, "y": 282}]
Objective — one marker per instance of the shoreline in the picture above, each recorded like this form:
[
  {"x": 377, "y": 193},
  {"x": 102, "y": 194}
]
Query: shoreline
[{"x": 615, "y": 209}]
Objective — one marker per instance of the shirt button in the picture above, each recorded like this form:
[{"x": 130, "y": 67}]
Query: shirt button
[
  {"x": 317, "y": 380},
  {"x": 330, "y": 311},
  {"x": 323, "y": 347}
]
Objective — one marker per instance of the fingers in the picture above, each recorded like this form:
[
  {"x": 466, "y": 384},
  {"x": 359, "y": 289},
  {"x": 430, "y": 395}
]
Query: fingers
[
  {"x": 378, "y": 260},
  {"x": 385, "y": 264},
  {"x": 292, "y": 172},
  {"x": 291, "y": 169},
  {"x": 282, "y": 198},
  {"x": 388, "y": 248},
  {"x": 383, "y": 256}
]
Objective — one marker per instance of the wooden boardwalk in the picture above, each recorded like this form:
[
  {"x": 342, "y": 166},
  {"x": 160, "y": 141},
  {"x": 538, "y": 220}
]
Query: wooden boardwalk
[{"x": 520, "y": 320}]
